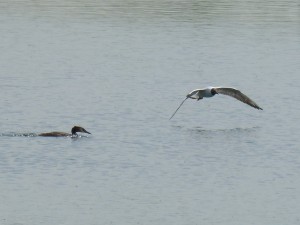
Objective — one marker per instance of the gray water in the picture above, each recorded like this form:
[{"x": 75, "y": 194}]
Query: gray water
[{"x": 120, "y": 69}]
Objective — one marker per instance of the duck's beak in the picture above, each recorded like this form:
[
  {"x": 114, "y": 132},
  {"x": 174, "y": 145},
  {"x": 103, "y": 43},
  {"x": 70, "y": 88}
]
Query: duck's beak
[{"x": 85, "y": 131}]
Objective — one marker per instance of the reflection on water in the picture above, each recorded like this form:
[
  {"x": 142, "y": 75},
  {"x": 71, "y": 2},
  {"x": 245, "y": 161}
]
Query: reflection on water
[
  {"x": 217, "y": 130},
  {"x": 222, "y": 130}
]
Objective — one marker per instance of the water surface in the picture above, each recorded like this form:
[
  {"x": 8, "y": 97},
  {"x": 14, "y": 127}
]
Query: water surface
[{"x": 120, "y": 69}]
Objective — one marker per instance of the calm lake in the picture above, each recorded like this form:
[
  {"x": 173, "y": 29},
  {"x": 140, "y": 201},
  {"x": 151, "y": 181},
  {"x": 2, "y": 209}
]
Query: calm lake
[{"x": 120, "y": 69}]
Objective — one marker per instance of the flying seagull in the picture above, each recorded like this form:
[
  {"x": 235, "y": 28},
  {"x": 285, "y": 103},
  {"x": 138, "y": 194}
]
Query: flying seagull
[{"x": 211, "y": 91}]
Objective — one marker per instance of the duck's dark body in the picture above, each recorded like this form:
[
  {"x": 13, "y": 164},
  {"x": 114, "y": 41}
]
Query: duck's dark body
[
  {"x": 64, "y": 134},
  {"x": 55, "y": 134}
]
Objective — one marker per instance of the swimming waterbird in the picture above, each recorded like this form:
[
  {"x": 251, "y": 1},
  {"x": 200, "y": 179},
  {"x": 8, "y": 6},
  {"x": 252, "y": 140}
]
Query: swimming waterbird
[{"x": 74, "y": 131}]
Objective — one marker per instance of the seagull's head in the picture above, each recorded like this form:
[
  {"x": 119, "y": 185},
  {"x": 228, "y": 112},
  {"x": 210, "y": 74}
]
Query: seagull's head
[{"x": 213, "y": 91}]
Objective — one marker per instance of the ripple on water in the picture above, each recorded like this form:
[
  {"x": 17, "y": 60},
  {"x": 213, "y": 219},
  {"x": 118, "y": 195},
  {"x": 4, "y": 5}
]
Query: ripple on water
[{"x": 13, "y": 134}]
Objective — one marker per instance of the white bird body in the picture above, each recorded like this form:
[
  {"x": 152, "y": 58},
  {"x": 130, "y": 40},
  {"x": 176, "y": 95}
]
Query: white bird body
[
  {"x": 211, "y": 91},
  {"x": 201, "y": 93}
]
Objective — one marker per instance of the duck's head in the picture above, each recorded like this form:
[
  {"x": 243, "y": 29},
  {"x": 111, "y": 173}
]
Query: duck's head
[{"x": 79, "y": 129}]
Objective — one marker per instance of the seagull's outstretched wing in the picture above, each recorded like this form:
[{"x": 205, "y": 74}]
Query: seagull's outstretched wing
[
  {"x": 238, "y": 95},
  {"x": 196, "y": 94}
]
